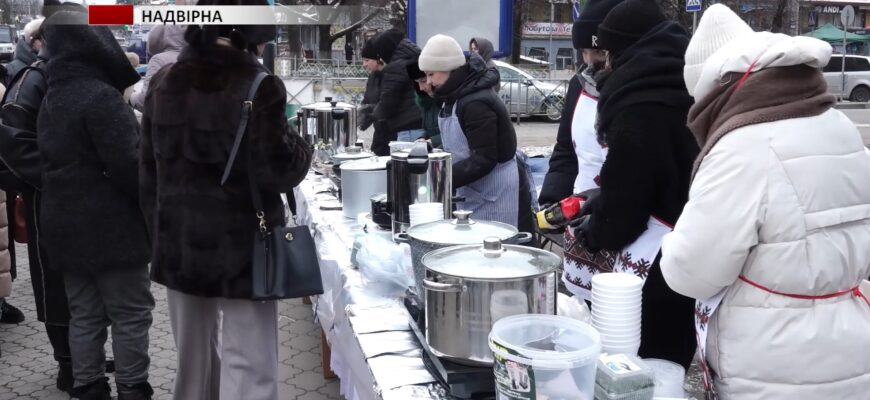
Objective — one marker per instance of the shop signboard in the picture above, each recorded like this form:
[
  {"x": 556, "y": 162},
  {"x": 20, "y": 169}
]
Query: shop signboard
[{"x": 544, "y": 29}]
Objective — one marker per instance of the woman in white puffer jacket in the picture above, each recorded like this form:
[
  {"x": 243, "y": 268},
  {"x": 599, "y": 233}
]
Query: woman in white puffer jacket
[{"x": 778, "y": 220}]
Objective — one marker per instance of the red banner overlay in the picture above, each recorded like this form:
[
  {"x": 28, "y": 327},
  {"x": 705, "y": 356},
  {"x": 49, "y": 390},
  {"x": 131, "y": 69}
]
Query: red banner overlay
[{"x": 110, "y": 15}]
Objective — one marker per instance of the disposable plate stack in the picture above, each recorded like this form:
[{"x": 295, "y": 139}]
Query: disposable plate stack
[{"x": 616, "y": 303}]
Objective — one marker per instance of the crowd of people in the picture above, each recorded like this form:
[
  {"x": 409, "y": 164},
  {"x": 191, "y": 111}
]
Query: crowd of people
[{"x": 713, "y": 166}]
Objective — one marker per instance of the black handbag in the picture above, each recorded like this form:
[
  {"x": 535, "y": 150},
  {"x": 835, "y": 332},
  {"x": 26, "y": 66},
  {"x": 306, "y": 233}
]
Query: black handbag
[{"x": 284, "y": 263}]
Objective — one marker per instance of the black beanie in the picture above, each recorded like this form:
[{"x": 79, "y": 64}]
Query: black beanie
[
  {"x": 414, "y": 71},
  {"x": 386, "y": 43},
  {"x": 627, "y": 23},
  {"x": 368, "y": 49},
  {"x": 585, "y": 30}
]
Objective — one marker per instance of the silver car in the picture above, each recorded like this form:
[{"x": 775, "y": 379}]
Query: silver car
[
  {"x": 526, "y": 95},
  {"x": 857, "y": 77}
]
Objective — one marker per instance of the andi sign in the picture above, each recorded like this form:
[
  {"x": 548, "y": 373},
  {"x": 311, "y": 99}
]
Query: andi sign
[{"x": 546, "y": 28}]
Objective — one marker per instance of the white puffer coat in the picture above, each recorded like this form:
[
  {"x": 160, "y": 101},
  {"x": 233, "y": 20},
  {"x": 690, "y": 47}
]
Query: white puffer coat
[{"x": 786, "y": 204}]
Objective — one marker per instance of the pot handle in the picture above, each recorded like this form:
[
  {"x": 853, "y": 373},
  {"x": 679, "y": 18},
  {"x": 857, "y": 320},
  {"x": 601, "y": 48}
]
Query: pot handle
[
  {"x": 444, "y": 287},
  {"x": 402, "y": 238},
  {"x": 523, "y": 238}
]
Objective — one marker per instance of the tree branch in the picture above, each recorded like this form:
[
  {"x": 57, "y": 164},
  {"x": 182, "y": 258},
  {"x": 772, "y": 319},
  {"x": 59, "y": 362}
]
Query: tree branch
[{"x": 354, "y": 26}]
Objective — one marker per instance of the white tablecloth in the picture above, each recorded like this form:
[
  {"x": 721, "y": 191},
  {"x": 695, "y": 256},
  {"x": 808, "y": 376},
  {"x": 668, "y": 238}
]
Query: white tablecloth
[{"x": 374, "y": 352}]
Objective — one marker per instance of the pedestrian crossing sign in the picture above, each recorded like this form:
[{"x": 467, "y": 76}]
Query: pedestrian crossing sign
[{"x": 693, "y": 5}]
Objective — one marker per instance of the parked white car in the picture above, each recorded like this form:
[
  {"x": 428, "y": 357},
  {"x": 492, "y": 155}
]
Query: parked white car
[
  {"x": 523, "y": 94},
  {"x": 857, "y": 77}
]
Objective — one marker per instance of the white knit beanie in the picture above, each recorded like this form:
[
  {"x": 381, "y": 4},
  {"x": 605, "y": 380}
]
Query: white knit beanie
[
  {"x": 441, "y": 54},
  {"x": 719, "y": 25},
  {"x": 31, "y": 28}
]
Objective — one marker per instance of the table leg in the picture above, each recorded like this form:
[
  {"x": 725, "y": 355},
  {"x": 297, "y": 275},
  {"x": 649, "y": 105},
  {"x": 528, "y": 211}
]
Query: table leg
[{"x": 325, "y": 356}]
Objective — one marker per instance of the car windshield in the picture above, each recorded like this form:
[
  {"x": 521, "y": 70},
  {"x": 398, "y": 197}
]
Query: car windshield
[{"x": 5, "y": 36}]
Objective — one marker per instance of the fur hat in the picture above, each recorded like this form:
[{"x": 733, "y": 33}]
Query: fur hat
[{"x": 442, "y": 53}]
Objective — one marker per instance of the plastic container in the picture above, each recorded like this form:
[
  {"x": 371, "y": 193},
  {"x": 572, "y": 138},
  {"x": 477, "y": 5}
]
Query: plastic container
[
  {"x": 544, "y": 356},
  {"x": 628, "y": 349},
  {"x": 669, "y": 377},
  {"x": 623, "y": 377}
]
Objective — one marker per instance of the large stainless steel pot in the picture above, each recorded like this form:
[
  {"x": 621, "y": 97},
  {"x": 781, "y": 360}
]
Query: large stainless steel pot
[
  {"x": 462, "y": 230},
  {"x": 418, "y": 176},
  {"x": 360, "y": 180},
  {"x": 332, "y": 168},
  {"x": 330, "y": 122},
  {"x": 469, "y": 288}
]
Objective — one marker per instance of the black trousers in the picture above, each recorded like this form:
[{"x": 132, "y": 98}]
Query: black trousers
[
  {"x": 58, "y": 335},
  {"x": 667, "y": 322}
]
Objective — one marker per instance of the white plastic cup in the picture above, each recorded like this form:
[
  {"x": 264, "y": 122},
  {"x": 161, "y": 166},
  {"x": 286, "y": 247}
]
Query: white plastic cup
[{"x": 617, "y": 281}]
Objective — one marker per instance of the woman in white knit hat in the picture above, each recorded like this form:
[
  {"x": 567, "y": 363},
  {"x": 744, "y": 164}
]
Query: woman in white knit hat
[
  {"x": 476, "y": 128},
  {"x": 782, "y": 178}
]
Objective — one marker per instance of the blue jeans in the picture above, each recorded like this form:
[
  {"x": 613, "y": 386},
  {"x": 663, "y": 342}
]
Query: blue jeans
[{"x": 409, "y": 135}]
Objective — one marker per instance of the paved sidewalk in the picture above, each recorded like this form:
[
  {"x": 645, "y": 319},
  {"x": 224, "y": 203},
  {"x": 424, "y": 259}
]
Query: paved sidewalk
[{"x": 28, "y": 371}]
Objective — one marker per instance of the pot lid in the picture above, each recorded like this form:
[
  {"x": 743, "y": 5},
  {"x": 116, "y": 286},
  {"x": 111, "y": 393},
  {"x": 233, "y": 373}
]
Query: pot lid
[
  {"x": 368, "y": 164},
  {"x": 436, "y": 154},
  {"x": 328, "y": 103},
  {"x": 351, "y": 153},
  {"x": 461, "y": 230},
  {"x": 492, "y": 260}
]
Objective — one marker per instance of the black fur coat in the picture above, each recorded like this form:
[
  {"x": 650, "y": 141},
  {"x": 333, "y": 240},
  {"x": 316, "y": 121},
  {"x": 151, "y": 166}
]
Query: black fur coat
[{"x": 203, "y": 232}]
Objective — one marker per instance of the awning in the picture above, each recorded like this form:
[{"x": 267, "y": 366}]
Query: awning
[{"x": 831, "y": 33}]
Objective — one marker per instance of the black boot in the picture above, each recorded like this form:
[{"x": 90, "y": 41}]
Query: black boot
[
  {"x": 99, "y": 390},
  {"x": 139, "y": 391},
  {"x": 65, "y": 377},
  {"x": 10, "y": 314}
]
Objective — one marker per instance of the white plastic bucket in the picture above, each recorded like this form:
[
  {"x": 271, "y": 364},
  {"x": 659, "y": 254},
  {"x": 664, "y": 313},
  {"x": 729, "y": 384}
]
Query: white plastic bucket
[{"x": 544, "y": 356}]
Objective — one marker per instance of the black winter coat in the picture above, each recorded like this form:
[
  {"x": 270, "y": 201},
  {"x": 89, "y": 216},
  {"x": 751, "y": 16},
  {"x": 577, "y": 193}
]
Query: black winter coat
[
  {"x": 24, "y": 56},
  {"x": 88, "y": 138},
  {"x": 203, "y": 232},
  {"x": 20, "y": 111},
  {"x": 396, "y": 110},
  {"x": 483, "y": 118},
  {"x": 559, "y": 182},
  {"x": 642, "y": 115},
  {"x": 370, "y": 99}
]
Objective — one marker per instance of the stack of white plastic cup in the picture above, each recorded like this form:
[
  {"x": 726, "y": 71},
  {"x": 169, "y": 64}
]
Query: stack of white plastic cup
[
  {"x": 616, "y": 304},
  {"x": 421, "y": 213}
]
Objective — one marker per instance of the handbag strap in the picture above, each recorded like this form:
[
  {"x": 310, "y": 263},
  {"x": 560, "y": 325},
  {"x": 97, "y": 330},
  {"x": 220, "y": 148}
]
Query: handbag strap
[{"x": 247, "y": 107}]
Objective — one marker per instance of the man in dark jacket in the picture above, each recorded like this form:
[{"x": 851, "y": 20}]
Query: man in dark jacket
[
  {"x": 642, "y": 115},
  {"x": 396, "y": 113},
  {"x": 92, "y": 227},
  {"x": 372, "y": 95}
]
